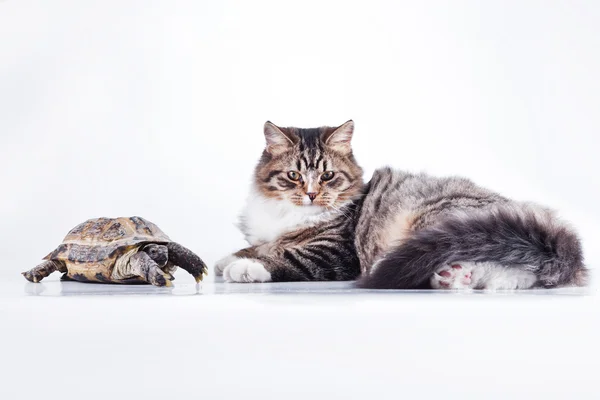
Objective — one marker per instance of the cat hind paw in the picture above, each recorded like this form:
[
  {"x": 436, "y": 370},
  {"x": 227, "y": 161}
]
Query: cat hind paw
[{"x": 455, "y": 276}]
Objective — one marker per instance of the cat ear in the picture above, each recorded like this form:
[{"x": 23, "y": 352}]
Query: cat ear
[
  {"x": 338, "y": 139},
  {"x": 277, "y": 140}
]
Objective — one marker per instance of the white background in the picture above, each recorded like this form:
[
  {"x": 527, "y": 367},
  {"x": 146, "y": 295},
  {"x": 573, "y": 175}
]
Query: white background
[{"x": 155, "y": 108}]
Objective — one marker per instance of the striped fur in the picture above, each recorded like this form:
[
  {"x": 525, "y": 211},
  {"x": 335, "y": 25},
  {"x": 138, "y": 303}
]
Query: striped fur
[
  {"x": 447, "y": 221},
  {"x": 399, "y": 231},
  {"x": 294, "y": 237},
  {"x": 309, "y": 153},
  {"x": 323, "y": 252}
]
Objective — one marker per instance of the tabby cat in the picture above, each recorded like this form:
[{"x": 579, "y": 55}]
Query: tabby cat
[{"x": 309, "y": 216}]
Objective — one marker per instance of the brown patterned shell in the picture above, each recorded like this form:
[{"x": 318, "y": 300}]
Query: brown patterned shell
[{"x": 92, "y": 247}]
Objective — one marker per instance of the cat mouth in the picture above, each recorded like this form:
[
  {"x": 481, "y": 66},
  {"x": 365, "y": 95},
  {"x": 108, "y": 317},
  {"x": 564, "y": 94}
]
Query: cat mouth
[{"x": 310, "y": 205}]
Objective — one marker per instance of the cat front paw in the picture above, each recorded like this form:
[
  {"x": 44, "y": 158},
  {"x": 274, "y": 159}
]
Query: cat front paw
[
  {"x": 223, "y": 263},
  {"x": 455, "y": 276},
  {"x": 246, "y": 270}
]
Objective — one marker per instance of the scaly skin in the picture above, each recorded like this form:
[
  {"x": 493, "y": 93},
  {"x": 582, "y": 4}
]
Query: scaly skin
[
  {"x": 43, "y": 270},
  {"x": 146, "y": 268},
  {"x": 187, "y": 260}
]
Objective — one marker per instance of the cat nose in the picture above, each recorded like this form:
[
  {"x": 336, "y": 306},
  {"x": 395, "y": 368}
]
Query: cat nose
[{"x": 312, "y": 195}]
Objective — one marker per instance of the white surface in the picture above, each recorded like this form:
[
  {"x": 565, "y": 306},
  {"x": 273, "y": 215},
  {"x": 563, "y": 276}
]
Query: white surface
[
  {"x": 155, "y": 108},
  {"x": 295, "y": 341}
]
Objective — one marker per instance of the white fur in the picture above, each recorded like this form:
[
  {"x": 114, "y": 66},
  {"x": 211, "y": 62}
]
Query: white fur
[
  {"x": 267, "y": 219},
  {"x": 246, "y": 270},
  {"x": 310, "y": 184},
  {"x": 491, "y": 276},
  {"x": 488, "y": 276},
  {"x": 264, "y": 221}
]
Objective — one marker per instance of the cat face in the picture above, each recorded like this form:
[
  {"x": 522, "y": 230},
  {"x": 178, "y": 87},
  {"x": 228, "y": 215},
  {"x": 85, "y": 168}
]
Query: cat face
[{"x": 309, "y": 167}]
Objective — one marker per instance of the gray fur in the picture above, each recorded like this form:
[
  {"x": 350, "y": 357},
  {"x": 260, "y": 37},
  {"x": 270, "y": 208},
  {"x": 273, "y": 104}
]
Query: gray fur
[
  {"x": 401, "y": 227},
  {"x": 423, "y": 198},
  {"x": 452, "y": 219},
  {"x": 324, "y": 252}
]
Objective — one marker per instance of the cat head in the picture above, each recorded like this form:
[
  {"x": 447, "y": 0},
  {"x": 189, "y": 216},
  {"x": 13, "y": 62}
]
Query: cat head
[{"x": 309, "y": 167}]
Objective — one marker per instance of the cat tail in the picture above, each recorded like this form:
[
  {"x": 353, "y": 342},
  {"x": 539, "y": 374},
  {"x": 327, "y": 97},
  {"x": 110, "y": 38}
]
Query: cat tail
[{"x": 519, "y": 235}]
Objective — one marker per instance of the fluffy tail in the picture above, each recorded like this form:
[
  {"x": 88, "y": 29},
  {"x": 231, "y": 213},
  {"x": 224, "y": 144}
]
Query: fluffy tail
[{"x": 526, "y": 236}]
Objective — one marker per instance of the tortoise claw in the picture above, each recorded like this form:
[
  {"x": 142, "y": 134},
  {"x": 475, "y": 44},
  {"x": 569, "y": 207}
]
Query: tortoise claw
[
  {"x": 159, "y": 278},
  {"x": 200, "y": 277},
  {"x": 27, "y": 276}
]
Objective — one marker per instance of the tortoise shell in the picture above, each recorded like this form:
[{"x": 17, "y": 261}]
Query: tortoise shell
[{"x": 91, "y": 249}]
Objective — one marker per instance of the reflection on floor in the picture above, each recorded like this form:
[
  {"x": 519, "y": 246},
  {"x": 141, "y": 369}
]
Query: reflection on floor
[
  {"x": 58, "y": 288},
  {"x": 327, "y": 340}
]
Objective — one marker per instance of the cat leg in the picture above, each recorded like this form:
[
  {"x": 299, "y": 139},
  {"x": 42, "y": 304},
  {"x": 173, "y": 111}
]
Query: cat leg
[
  {"x": 244, "y": 266},
  {"x": 314, "y": 254},
  {"x": 220, "y": 265},
  {"x": 315, "y": 260},
  {"x": 492, "y": 276},
  {"x": 268, "y": 269},
  {"x": 488, "y": 276}
]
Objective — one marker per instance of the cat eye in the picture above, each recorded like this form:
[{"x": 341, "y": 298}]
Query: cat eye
[
  {"x": 327, "y": 176},
  {"x": 293, "y": 175}
]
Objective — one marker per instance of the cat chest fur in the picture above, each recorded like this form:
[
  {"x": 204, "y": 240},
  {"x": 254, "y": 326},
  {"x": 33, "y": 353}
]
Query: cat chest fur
[{"x": 264, "y": 220}]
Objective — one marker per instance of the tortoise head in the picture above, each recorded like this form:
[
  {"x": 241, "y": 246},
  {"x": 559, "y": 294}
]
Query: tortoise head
[{"x": 157, "y": 252}]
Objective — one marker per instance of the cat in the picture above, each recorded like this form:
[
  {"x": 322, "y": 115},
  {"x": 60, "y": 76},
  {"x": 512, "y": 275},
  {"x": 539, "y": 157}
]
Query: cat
[{"x": 310, "y": 217}]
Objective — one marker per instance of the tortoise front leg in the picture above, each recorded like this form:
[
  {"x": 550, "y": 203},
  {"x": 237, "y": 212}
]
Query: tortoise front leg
[
  {"x": 146, "y": 268},
  {"x": 43, "y": 270},
  {"x": 187, "y": 259},
  {"x": 160, "y": 254}
]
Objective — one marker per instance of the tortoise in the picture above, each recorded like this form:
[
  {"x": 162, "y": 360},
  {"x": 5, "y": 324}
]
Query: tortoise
[{"x": 118, "y": 250}]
